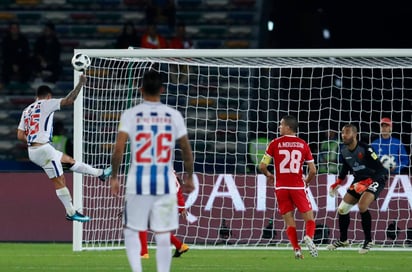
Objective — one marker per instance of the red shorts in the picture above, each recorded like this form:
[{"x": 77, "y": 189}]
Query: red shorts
[{"x": 288, "y": 200}]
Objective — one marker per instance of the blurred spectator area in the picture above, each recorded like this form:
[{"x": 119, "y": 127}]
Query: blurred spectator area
[{"x": 95, "y": 24}]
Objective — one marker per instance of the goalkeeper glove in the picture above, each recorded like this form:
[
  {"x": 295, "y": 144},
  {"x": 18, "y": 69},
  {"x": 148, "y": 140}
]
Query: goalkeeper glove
[
  {"x": 362, "y": 185},
  {"x": 334, "y": 187}
]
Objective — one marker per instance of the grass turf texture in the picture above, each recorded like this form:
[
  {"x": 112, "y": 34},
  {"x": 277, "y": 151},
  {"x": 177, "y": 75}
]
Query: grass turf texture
[{"x": 60, "y": 257}]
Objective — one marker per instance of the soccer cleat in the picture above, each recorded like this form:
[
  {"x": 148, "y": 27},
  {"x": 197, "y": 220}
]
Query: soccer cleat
[
  {"x": 298, "y": 254},
  {"x": 145, "y": 256},
  {"x": 313, "y": 250},
  {"x": 337, "y": 244},
  {"x": 78, "y": 217},
  {"x": 365, "y": 247},
  {"x": 184, "y": 248},
  {"x": 106, "y": 174}
]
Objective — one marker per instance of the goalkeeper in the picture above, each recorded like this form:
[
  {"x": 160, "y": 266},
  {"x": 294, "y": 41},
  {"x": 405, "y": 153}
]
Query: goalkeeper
[{"x": 369, "y": 180}]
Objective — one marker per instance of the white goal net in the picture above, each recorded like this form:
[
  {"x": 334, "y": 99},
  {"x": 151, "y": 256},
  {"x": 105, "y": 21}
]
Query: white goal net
[{"x": 232, "y": 101}]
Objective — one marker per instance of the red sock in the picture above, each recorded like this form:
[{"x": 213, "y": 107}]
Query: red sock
[
  {"x": 310, "y": 228},
  {"x": 176, "y": 242},
  {"x": 143, "y": 242},
  {"x": 293, "y": 237}
]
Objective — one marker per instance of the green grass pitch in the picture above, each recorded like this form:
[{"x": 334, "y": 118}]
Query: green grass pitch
[{"x": 45, "y": 257}]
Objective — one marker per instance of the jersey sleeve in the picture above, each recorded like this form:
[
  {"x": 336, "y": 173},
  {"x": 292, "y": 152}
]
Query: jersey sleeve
[
  {"x": 124, "y": 124},
  {"x": 52, "y": 105},
  {"x": 309, "y": 156},
  {"x": 381, "y": 173},
  {"x": 269, "y": 149},
  {"x": 345, "y": 168},
  {"x": 180, "y": 125}
]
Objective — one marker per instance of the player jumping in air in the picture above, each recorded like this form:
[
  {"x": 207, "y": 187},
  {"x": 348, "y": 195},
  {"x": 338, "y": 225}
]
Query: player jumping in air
[{"x": 35, "y": 129}]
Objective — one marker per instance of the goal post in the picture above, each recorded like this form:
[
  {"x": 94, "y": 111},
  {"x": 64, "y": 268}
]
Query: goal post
[{"x": 232, "y": 101}]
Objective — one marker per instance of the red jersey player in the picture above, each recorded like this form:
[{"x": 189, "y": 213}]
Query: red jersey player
[
  {"x": 179, "y": 245},
  {"x": 289, "y": 153}
]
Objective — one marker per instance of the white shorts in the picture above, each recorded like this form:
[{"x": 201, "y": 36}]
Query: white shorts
[
  {"x": 47, "y": 157},
  {"x": 157, "y": 213}
]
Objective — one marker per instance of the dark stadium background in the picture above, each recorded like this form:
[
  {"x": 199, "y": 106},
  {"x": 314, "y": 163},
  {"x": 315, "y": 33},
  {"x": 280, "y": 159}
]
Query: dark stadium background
[{"x": 352, "y": 24}]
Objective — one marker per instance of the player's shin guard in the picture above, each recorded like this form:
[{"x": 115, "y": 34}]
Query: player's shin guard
[
  {"x": 367, "y": 225},
  {"x": 133, "y": 247},
  {"x": 293, "y": 237},
  {"x": 163, "y": 252},
  {"x": 310, "y": 228}
]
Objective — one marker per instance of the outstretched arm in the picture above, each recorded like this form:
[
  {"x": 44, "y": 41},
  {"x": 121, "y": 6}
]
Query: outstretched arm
[{"x": 71, "y": 97}]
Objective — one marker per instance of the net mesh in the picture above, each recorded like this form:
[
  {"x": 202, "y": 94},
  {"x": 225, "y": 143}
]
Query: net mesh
[{"x": 232, "y": 107}]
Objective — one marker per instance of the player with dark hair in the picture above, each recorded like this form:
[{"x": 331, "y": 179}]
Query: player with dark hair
[
  {"x": 35, "y": 129},
  {"x": 289, "y": 153},
  {"x": 153, "y": 128},
  {"x": 369, "y": 180}
]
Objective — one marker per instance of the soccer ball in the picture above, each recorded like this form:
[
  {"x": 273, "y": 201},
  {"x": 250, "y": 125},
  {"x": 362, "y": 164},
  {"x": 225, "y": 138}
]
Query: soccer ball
[
  {"x": 80, "y": 62},
  {"x": 388, "y": 161}
]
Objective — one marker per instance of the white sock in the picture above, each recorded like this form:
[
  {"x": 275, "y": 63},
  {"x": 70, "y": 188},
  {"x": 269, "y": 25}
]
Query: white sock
[
  {"x": 80, "y": 167},
  {"x": 133, "y": 247},
  {"x": 64, "y": 195},
  {"x": 163, "y": 252}
]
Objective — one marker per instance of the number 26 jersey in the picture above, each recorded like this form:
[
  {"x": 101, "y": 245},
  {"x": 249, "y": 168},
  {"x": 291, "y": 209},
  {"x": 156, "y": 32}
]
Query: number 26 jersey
[{"x": 153, "y": 129}]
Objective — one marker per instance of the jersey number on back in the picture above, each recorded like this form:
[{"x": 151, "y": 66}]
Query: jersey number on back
[
  {"x": 153, "y": 149},
  {"x": 32, "y": 126},
  {"x": 291, "y": 162}
]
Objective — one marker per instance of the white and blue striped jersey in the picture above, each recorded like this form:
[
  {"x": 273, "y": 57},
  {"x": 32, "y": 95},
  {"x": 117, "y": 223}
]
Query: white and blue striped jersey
[
  {"x": 153, "y": 129},
  {"x": 37, "y": 120}
]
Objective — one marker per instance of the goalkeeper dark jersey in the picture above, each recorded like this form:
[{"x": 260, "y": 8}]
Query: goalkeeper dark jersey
[{"x": 363, "y": 163}]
